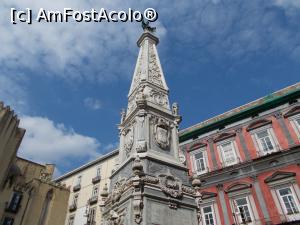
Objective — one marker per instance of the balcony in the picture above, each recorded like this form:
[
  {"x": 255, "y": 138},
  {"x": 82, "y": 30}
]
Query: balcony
[
  {"x": 72, "y": 207},
  {"x": 96, "y": 179},
  {"x": 93, "y": 200},
  {"x": 76, "y": 187}
]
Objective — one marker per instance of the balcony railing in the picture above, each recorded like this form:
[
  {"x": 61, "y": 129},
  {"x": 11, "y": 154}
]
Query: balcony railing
[
  {"x": 72, "y": 207},
  {"x": 93, "y": 200},
  {"x": 77, "y": 187},
  {"x": 96, "y": 179}
]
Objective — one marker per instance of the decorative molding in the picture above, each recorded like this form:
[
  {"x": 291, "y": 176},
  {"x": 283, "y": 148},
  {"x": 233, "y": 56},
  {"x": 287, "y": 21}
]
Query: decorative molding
[
  {"x": 258, "y": 123},
  {"x": 206, "y": 195},
  {"x": 278, "y": 115},
  {"x": 170, "y": 185},
  {"x": 220, "y": 187},
  {"x": 239, "y": 130},
  {"x": 237, "y": 187},
  {"x": 223, "y": 136},
  {"x": 295, "y": 110},
  {"x": 196, "y": 145},
  {"x": 279, "y": 175}
]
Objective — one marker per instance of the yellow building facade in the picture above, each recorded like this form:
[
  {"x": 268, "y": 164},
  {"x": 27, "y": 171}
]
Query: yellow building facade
[{"x": 27, "y": 194}]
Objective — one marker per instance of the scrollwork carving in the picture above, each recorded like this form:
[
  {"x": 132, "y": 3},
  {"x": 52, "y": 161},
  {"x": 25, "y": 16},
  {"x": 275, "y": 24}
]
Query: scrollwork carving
[{"x": 171, "y": 185}]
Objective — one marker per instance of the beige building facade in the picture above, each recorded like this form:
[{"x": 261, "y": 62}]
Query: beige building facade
[
  {"x": 29, "y": 197},
  {"x": 86, "y": 184},
  {"x": 10, "y": 139},
  {"x": 27, "y": 194}
]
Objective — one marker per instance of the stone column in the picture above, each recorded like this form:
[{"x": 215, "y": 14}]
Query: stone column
[
  {"x": 261, "y": 199},
  {"x": 283, "y": 126},
  {"x": 212, "y": 153},
  {"x": 243, "y": 143},
  {"x": 223, "y": 204}
]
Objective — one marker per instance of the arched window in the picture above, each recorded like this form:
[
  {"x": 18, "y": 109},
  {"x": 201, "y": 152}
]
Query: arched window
[{"x": 45, "y": 208}]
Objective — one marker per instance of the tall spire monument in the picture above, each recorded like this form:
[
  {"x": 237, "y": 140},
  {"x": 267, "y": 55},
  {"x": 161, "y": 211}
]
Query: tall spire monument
[{"x": 151, "y": 184}]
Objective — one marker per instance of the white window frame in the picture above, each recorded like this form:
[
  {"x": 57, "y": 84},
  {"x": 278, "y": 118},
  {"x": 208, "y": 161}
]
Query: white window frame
[
  {"x": 193, "y": 159},
  {"x": 234, "y": 150},
  {"x": 290, "y": 217},
  {"x": 296, "y": 201},
  {"x": 237, "y": 211},
  {"x": 275, "y": 186},
  {"x": 295, "y": 125},
  {"x": 75, "y": 199},
  {"x": 93, "y": 191},
  {"x": 78, "y": 180},
  {"x": 98, "y": 171},
  {"x": 212, "y": 212},
  {"x": 271, "y": 135}
]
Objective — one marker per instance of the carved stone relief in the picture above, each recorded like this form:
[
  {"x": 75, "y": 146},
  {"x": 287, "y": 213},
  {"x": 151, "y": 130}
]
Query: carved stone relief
[
  {"x": 128, "y": 140},
  {"x": 162, "y": 133},
  {"x": 170, "y": 185},
  {"x": 118, "y": 190},
  {"x": 159, "y": 98},
  {"x": 154, "y": 70}
]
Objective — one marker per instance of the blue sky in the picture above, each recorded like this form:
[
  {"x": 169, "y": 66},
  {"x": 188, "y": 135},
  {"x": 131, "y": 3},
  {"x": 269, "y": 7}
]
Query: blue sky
[{"x": 68, "y": 82}]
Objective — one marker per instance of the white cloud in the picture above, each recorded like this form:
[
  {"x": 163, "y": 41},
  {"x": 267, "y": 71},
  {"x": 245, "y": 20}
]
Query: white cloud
[
  {"x": 73, "y": 51},
  {"x": 48, "y": 142},
  {"x": 13, "y": 93},
  {"x": 288, "y": 3},
  {"x": 92, "y": 103}
]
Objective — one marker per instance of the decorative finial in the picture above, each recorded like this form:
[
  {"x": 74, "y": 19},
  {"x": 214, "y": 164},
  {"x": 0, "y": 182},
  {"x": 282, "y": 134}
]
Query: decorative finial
[{"x": 147, "y": 27}]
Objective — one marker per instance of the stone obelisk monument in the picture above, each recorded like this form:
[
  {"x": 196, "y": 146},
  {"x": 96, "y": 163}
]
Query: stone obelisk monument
[{"x": 151, "y": 186}]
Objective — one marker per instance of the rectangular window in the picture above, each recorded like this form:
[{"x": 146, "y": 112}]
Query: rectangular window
[
  {"x": 78, "y": 181},
  {"x": 228, "y": 153},
  {"x": 75, "y": 199},
  {"x": 243, "y": 210},
  {"x": 95, "y": 191},
  {"x": 8, "y": 221},
  {"x": 208, "y": 215},
  {"x": 71, "y": 220},
  {"x": 265, "y": 140},
  {"x": 288, "y": 200},
  {"x": 199, "y": 161},
  {"x": 15, "y": 202},
  {"x": 98, "y": 172}
]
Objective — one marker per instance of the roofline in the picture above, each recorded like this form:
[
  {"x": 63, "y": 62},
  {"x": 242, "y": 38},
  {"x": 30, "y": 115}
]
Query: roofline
[
  {"x": 87, "y": 165},
  {"x": 270, "y": 101},
  {"x": 30, "y": 161}
]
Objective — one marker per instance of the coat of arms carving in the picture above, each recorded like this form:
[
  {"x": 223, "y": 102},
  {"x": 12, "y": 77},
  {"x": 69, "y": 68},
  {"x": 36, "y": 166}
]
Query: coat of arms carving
[{"x": 162, "y": 133}]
